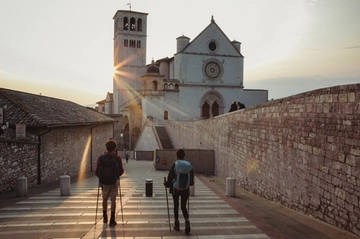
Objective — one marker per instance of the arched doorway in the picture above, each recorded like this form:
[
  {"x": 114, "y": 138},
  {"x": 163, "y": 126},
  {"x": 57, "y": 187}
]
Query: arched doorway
[{"x": 211, "y": 104}]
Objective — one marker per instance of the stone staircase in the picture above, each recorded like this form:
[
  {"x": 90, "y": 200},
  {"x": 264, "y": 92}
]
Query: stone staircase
[{"x": 164, "y": 137}]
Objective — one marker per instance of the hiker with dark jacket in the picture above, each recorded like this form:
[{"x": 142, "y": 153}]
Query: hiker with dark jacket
[
  {"x": 109, "y": 182},
  {"x": 183, "y": 193}
]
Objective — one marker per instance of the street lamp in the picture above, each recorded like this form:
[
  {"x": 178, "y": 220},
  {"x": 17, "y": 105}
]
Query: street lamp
[{"x": 122, "y": 141}]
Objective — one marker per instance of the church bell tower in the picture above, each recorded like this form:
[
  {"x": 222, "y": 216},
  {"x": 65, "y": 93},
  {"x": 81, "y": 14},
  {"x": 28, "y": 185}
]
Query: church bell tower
[{"x": 130, "y": 33}]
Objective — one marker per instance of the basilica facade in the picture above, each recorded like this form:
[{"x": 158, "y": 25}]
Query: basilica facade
[{"x": 201, "y": 80}]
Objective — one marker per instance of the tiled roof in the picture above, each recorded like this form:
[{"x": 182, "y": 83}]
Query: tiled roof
[{"x": 41, "y": 111}]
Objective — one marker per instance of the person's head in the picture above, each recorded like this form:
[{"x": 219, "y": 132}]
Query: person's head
[
  {"x": 180, "y": 154},
  {"x": 110, "y": 145}
]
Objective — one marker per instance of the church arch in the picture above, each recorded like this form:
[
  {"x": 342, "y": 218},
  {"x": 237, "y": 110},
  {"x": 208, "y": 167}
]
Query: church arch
[
  {"x": 126, "y": 23},
  {"x": 132, "y": 24},
  {"x": 216, "y": 103},
  {"x": 139, "y": 25}
]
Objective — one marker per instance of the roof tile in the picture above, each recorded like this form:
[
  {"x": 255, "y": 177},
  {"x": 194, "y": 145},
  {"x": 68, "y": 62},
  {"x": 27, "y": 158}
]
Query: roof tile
[{"x": 42, "y": 111}]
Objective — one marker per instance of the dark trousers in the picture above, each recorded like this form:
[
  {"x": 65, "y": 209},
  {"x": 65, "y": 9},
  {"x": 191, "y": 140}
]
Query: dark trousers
[{"x": 184, "y": 194}]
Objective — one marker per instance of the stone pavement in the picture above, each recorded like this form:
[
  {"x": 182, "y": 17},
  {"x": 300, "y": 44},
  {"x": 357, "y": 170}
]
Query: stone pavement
[{"x": 46, "y": 214}]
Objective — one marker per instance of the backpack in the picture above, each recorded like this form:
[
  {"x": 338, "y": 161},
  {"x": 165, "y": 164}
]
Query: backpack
[
  {"x": 108, "y": 169},
  {"x": 182, "y": 175}
]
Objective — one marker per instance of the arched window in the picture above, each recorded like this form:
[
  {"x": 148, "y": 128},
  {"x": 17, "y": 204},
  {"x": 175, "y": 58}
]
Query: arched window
[
  {"x": 155, "y": 85},
  {"x": 166, "y": 115},
  {"x": 206, "y": 110},
  {"x": 132, "y": 24},
  {"x": 139, "y": 25},
  {"x": 126, "y": 23},
  {"x": 166, "y": 86},
  {"x": 172, "y": 86},
  {"x": 215, "y": 109}
]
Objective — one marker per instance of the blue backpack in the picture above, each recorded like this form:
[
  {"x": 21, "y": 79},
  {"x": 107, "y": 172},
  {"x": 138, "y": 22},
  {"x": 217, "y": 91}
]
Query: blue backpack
[{"x": 182, "y": 175}]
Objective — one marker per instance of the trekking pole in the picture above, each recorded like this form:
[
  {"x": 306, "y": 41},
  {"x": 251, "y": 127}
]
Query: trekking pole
[
  {"x": 189, "y": 203},
  {"x": 97, "y": 202},
  {"x": 121, "y": 206},
  {"x": 167, "y": 203}
]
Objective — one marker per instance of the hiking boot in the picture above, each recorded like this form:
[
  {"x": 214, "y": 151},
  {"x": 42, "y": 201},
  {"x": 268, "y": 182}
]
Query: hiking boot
[
  {"x": 177, "y": 226},
  {"x": 112, "y": 220},
  {"x": 187, "y": 227},
  {"x": 104, "y": 217},
  {"x": 112, "y": 223}
]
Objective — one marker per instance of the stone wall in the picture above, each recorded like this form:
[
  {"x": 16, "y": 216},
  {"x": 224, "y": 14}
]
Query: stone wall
[
  {"x": 202, "y": 161},
  {"x": 66, "y": 150},
  {"x": 301, "y": 151},
  {"x": 100, "y": 134},
  {"x": 17, "y": 159}
]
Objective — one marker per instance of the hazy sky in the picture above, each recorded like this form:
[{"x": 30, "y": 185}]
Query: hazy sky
[{"x": 64, "y": 48}]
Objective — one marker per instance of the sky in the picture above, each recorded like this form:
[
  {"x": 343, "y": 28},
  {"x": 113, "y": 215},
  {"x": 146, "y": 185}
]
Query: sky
[{"x": 64, "y": 48}]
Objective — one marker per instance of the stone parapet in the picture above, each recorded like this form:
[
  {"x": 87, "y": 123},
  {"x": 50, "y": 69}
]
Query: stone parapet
[{"x": 302, "y": 151}]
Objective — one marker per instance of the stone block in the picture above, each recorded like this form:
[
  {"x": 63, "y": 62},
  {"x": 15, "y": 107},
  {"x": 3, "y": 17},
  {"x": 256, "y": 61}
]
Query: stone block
[
  {"x": 22, "y": 187},
  {"x": 65, "y": 185}
]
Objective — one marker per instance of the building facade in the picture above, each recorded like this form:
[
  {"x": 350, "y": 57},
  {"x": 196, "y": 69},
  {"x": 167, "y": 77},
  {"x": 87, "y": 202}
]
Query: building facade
[{"x": 201, "y": 80}]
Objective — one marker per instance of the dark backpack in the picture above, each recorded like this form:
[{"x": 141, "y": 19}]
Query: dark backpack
[
  {"x": 182, "y": 175},
  {"x": 108, "y": 169}
]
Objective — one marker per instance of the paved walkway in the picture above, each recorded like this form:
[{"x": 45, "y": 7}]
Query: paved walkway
[{"x": 46, "y": 214}]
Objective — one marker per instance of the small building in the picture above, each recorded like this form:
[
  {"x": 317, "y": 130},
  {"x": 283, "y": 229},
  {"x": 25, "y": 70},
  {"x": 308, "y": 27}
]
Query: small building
[{"x": 43, "y": 138}]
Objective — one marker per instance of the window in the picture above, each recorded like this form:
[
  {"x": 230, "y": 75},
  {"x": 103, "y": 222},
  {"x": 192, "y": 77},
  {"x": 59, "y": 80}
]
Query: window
[
  {"x": 126, "y": 42},
  {"x": 138, "y": 44},
  {"x": 132, "y": 24},
  {"x": 206, "y": 110},
  {"x": 155, "y": 85},
  {"x": 212, "y": 46},
  {"x": 215, "y": 109},
  {"x": 132, "y": 43},
  {"x": 139, "y": 25},
  {"x": 126, "y": 23},
  {"x": 166, "y": 115}
]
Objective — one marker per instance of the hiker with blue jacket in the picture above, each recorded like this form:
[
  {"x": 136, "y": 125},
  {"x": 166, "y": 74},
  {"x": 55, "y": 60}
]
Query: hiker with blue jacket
[{"x": 180, "y": 177}]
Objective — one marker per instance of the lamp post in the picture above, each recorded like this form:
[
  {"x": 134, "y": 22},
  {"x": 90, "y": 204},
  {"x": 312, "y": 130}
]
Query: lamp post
[{"x": 122, "y": 142}]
